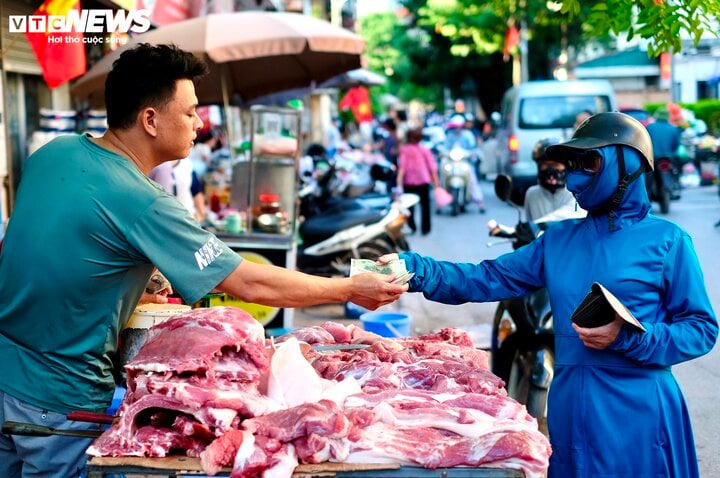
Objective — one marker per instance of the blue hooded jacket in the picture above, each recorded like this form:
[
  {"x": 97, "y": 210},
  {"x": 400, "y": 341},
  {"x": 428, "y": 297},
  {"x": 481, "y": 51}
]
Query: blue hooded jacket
[{"x": 616, "y": 412}]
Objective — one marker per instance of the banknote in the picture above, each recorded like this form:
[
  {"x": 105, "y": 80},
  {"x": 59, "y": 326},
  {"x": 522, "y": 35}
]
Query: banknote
[
  {"x": 396, "y": 268},
  {"x": 403, "y": 278}
]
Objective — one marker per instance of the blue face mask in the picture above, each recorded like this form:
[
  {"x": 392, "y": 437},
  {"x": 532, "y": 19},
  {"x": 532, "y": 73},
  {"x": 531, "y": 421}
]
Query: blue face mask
[
  {"x": 577, "y": 182},
  {"x": 592, "y": 190}
]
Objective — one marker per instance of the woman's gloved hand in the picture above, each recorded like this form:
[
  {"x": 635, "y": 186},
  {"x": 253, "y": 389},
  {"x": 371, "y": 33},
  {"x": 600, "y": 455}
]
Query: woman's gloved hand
[
  {"x": 388, "y": 258},
  {"x": 526, "y": 232}
]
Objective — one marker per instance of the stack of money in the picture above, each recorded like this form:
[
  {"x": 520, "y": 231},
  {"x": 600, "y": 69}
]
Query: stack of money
[{"x": 396, "y": 268}]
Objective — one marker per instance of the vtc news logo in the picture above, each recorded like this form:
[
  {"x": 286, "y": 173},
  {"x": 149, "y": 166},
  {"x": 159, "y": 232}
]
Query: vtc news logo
[{"x": 83, "y": 21}]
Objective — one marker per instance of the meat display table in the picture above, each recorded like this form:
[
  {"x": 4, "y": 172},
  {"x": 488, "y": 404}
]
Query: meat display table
[{"x": 184, "y": 466}]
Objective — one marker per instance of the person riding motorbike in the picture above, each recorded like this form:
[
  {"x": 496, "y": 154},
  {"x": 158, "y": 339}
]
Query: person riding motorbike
[
  {"x": 457, "y": 136},
  {"x": 666, "y": 140},
  {"x": 460, "y": 138},
  {"x": 551, "y": 193}
]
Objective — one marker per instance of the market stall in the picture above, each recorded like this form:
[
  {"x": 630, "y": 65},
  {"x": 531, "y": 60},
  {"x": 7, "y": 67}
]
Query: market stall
[{"x": 260, "y": 208}]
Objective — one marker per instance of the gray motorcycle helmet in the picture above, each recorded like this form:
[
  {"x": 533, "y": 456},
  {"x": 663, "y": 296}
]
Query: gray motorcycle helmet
[
  {"x": 540, "y": 149},
  {"x": 605, "y": 129}
]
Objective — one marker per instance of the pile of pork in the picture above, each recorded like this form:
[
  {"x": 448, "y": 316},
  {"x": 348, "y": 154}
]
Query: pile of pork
[{"x": 208, "y": 384}]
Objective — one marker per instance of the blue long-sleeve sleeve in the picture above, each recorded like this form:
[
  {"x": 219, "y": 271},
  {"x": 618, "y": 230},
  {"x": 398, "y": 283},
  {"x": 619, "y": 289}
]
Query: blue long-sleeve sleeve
[
  {"x": 510, "y": 275},
  {"x": 688, "y": 329}
]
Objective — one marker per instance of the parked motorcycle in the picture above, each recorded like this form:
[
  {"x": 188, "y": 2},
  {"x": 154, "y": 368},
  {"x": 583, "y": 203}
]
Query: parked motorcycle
[
  {"x": 522, "y": 341},
  {"x": 663, "y": 183},
  {"x": 333, "y": 232}
]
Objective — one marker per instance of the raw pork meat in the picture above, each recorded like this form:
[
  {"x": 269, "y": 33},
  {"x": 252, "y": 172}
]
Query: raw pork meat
[
  {"x": 207, "y": 384},
  {"x": 200, "y": 367}
]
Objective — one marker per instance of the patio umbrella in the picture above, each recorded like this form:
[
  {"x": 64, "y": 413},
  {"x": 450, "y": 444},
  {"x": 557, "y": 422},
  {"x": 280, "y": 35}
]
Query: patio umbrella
[
  {"x": 343, "y": 80},
  {"x": 250, "y": 54},
  {"x": 359, "y": 77}
]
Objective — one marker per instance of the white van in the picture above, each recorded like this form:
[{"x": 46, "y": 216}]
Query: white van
[{"x": 543, "y": 109}]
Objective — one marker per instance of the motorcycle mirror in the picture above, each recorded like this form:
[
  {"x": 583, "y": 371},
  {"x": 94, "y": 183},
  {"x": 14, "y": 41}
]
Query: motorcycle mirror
[{"x": 503, "y": 187}]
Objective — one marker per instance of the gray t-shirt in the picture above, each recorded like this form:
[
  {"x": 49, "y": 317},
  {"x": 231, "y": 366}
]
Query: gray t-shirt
[{"x": 540, "y": 202}]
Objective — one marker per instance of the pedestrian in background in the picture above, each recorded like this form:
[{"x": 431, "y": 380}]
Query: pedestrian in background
[
  {"x": 333, "y": 137},
  {"x": 582, "y": 116},
  {"x": 417, "y": 171},
  {"x": 201, "y": 152},
  {"x": 179, "y": 179}
]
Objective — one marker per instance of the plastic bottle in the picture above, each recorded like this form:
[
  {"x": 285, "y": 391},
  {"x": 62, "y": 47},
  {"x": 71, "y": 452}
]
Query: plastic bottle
[{"x": 215, "y": 205}]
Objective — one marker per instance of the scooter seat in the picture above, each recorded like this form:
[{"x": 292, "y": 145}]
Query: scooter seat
[{"x": 319, "y": 228}]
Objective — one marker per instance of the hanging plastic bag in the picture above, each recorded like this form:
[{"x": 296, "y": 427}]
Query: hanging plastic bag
[{"x": 442, "y": 197}]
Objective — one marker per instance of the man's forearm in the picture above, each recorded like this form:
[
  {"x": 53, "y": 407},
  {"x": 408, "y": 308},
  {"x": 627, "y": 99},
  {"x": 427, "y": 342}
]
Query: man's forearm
[{"x": 280, "y": 287}]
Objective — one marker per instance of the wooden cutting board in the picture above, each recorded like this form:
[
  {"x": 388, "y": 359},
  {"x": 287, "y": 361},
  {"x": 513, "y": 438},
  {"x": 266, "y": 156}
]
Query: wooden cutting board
[{"x": 191, "y": 466}]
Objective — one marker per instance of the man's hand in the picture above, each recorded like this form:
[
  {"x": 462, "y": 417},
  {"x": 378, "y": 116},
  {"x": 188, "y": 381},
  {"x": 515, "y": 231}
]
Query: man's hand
[
  {"x": 370, "y": 290},
  {"x": 159, "y": 298},
  {"x": 526, "y": 232},
  {"x": 600, "y": 337},
  {"x": 156, "y": 290}
]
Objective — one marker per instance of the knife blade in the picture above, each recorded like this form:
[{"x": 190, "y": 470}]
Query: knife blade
[{"x": 324, "y": 348}]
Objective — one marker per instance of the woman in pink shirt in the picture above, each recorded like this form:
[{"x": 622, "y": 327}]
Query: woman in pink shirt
[{"x": 417, "y": 169}]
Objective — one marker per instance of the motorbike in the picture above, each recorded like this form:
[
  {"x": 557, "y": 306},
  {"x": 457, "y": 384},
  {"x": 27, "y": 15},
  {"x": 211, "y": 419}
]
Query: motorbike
[
  {"x": 663, "y": 183},
  {"x": 456, "y": 176},
  {"x": 522, "y": 338},
  {"x": 335, "y": 230}
]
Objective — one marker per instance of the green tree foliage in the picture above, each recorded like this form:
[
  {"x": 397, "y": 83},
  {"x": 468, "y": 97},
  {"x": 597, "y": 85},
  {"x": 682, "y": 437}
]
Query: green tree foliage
[
  {"x": 480, "y": 26},
  {"x": 455, "y": 43},
  {"x": 419, "y": 63},
  {"x": 660, "y": 21},
  {"x": 393, "y": 50}
]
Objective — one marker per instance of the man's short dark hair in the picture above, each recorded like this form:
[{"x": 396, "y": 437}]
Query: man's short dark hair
[{"x": 145, "y": 76}]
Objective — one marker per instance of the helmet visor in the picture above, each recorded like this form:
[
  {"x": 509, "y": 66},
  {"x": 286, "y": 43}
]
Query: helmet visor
[{"x": 588, "y": 161}]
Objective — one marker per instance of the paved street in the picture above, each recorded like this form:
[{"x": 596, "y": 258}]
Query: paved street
[{"x": 465, "y": 238}]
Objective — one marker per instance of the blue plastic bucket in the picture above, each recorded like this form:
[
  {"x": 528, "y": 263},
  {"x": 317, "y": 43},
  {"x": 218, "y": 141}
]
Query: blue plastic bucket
[
  {"x": 387, "y": 324},
  {"x": 354, "y": 311}
]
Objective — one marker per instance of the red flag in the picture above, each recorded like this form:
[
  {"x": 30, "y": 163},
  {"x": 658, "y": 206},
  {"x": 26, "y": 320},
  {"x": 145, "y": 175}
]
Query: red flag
[
  {"x": 665, "y": 66},
  {"x": 358, "y": 100},
  {"x": 512, "y": 39},
  {"x": 61, "y": 55}
]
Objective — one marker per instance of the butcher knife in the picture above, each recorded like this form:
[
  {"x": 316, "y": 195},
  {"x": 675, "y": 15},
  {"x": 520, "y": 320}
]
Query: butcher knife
[
  {"x": 32, "y": 430},
  {"x": 325, "y": 348}
]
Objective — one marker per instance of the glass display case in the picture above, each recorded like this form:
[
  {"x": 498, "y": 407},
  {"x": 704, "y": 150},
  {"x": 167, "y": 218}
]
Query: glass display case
[
  {"x": 260, "y": 223},
  {"x": 264, "y": 182}
]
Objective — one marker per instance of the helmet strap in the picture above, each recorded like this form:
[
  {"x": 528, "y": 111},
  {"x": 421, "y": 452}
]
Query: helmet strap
[{"x": 625, "y": 180}]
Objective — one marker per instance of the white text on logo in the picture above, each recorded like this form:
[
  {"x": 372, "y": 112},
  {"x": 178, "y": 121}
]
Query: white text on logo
[
  {"x": 83, "y": 21},
  {"x": 208, "y": 253}
]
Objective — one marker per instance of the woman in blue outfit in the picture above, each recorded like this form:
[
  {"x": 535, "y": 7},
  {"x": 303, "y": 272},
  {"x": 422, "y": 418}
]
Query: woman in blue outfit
[{"x": 615, "y": 409}]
